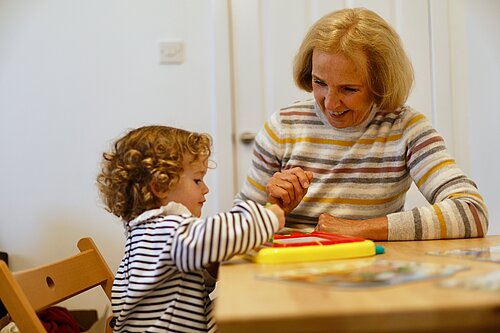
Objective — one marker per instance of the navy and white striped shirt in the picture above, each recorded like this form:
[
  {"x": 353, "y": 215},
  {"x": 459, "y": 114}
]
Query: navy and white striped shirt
[{"x": 161, "y": 284}]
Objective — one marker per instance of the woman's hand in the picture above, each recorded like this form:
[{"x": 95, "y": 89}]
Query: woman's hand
[
  {"x": 375, "y": 229},
  {"x": 287, "y": 188}
]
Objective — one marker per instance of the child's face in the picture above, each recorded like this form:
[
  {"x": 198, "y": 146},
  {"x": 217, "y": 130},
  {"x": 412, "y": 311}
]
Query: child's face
[{"x": 191, "y": 188}]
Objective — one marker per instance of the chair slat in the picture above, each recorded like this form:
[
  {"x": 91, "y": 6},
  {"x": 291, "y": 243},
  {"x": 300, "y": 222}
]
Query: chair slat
[
  {"x": 26, "y": 292},
  {"x": 49, "y": 284}
]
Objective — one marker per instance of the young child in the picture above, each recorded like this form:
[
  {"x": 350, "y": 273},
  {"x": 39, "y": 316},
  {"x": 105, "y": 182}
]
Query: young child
[{"x": 153, "y": 179}]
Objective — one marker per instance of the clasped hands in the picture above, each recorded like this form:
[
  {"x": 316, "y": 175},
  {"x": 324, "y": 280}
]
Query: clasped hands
[{"x": 287, "y": 189}]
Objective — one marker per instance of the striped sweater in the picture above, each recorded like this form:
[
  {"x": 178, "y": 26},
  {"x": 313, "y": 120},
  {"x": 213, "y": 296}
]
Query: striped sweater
[
  {"x": 161, "y": 284},
  {"x": 365, "y": 171}
]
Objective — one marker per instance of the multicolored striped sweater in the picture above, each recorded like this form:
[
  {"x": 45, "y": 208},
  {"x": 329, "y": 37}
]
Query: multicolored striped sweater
[
  {"x": 365, "y": 171},
  {"x": 162, "y": 284}
]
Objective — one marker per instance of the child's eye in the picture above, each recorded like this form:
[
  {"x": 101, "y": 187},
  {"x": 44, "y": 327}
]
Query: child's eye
[{"x": 197, "y": 181}]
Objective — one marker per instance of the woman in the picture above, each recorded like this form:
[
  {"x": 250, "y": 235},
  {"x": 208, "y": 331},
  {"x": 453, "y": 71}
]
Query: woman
[{"x": 344, "y": 161}]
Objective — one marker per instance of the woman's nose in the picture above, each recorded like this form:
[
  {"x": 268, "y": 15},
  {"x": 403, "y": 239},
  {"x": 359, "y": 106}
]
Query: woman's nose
[{"x": 332, "y": 100}]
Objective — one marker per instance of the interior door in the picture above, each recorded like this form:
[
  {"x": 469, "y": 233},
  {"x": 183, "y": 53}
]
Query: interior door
[{"x": 266, "y": 35}]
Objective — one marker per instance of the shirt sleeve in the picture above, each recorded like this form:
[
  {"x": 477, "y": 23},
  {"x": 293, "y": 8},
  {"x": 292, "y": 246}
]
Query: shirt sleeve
[
  {"x": 266, "y": 160},
  {"x": 198, "y": 242},
  {"x": 456, "y": 208}
]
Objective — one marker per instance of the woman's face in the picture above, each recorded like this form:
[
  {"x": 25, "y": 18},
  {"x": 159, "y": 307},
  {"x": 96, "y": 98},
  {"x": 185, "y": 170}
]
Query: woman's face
[{"x": 340, "y": 89}]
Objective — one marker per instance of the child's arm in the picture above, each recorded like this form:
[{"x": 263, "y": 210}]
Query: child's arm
[
  {"x": 199, "y": 242},
  {"x": 280, "y": 214}
]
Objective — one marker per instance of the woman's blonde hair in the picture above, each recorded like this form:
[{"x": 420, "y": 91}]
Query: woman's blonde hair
[
  {"x": 389, "y": 73},
  {"x": 143, "y": 155}
]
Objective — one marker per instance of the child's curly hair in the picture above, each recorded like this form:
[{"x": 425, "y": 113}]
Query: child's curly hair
[{"x": 143, "y": 155}]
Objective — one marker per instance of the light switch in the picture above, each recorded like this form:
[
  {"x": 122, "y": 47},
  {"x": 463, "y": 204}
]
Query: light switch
[{"x": 171, "y": 53}]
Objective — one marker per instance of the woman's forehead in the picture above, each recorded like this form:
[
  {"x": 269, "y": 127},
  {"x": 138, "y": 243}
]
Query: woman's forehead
[{"x": 338, "y": 65}]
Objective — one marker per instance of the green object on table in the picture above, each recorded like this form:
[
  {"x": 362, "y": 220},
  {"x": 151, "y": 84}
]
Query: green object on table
[{"x": 379, "y": 249}]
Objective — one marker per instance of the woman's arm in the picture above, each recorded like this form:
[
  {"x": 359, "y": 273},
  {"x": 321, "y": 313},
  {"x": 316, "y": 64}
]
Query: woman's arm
[
  {"x": 374, "y": 229},
  {"x": 456, "y": 210},
  {"x": 267, "y": 157}
]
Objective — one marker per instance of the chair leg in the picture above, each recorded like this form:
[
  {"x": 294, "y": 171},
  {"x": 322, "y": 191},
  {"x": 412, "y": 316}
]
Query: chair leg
[{"x": 108, "y": 328}]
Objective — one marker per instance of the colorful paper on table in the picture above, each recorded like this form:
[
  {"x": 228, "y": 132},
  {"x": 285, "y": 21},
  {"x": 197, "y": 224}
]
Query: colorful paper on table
[
  {"x": 491, "y": 253},
  {"x": 486, "y": 281},
  {"x": 315, "y": 246},
  {"x": 362, "y": 273}
]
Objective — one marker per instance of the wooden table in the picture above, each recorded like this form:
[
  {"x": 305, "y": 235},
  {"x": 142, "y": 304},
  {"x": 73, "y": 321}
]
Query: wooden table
[{"x": 246, "y": 304}]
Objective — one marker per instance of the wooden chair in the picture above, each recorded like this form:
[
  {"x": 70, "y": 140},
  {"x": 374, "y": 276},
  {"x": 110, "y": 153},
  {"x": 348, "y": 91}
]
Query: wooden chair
[{"x": 26, "y": 292}]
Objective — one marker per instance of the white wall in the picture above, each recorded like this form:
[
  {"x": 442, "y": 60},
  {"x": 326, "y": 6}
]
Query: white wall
[{"x": 74, "y": 75}]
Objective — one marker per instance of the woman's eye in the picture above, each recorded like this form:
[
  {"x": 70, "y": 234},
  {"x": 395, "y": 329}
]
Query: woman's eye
[
  {"x": 318, "y": 82},
  {"x": 350, "y": 90}
]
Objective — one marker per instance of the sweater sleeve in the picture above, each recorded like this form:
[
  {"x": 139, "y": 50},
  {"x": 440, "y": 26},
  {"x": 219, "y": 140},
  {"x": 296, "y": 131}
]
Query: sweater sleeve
[
  {"x": 199, "y": 242},
  {"x": 266, "y": 160},
  {"x": 456, "y": 208}
]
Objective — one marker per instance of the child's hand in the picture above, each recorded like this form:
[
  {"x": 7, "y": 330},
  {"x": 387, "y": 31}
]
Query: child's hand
[{"x": 278, "y": 211}]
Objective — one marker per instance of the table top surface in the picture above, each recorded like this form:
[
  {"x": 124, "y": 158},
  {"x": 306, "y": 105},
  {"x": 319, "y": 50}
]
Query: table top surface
[{"x": 248, "y": 304}]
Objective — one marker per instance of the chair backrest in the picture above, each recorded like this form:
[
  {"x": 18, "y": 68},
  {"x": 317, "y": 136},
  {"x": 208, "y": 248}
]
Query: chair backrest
[{"x": 26, "y": 292}]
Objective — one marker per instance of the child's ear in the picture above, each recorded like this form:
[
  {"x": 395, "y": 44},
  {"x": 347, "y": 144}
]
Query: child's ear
[{"x": 158, "y": 191}]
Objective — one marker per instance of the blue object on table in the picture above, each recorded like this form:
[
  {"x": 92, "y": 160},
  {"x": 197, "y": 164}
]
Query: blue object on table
[{"x": 379, "y": 249}]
